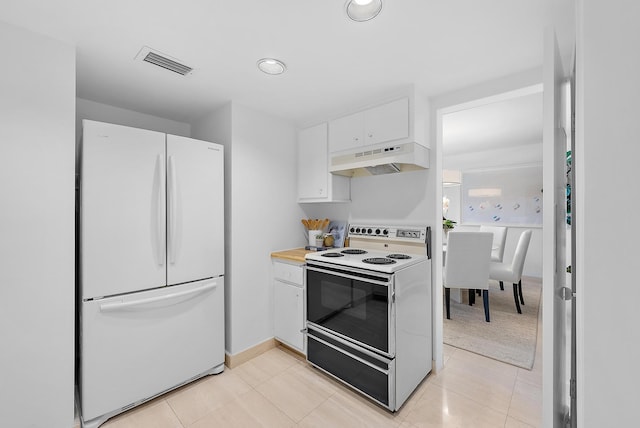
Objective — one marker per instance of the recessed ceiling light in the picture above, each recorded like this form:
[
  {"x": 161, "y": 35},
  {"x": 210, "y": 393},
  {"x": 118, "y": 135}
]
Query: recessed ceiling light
[
  {"x": 271, "y": 66},
  {"x": 363, "y": 10}
]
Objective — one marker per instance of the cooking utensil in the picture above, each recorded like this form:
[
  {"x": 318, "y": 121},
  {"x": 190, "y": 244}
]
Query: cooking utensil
[{"x": 325, "y": 224}]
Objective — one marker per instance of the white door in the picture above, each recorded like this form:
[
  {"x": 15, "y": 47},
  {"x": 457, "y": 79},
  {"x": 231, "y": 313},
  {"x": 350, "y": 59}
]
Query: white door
[
  {"x": 122, "y": 209},
  {"x": 288, "y": 311},
  {"x": 195, "y": 209},
  {"x": 138, "y": 345},
  {"x": 556, "y": 315},
  {"x": 346, "y": 133},
  {"x": 388, "y": 122},
  {"x": 313, "y": 178}
]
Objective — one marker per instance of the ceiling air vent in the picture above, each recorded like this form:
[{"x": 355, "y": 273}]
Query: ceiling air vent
[{"x": 161, "y": 60}]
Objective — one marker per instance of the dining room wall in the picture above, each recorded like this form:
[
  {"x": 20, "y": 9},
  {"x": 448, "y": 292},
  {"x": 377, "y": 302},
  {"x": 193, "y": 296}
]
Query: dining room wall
[{"x": 516, "y": 225}]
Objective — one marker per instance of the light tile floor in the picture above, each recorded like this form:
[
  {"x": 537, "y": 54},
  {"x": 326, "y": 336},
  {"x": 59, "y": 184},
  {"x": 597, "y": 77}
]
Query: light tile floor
[{"x": 279, "y": 389}]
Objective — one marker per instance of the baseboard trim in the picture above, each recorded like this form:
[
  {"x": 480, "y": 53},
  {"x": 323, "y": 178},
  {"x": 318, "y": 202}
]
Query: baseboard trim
[
  {"x": 290, "y": 350},
  {"x": 233, "y": 361}
]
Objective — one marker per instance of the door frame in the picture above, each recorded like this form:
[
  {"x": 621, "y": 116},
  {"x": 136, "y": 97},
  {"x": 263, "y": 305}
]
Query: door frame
[{"x": 514, "y": 86}]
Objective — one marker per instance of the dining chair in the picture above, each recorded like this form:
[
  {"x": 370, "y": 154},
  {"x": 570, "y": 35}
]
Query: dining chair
[
  {"x": 467, "y": 266},
  {"x": 499, "y": 241},
  {"x": 512, "y": 272}
]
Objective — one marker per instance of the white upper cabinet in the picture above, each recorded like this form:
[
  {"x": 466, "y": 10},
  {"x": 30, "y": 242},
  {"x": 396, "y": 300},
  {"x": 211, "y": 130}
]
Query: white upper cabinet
[
  {"x": 381, "y": 124},
  {"x": 346, "y": 132},
  {"x": 315, "y": 183},
  {"x": 388, "y": 122}
]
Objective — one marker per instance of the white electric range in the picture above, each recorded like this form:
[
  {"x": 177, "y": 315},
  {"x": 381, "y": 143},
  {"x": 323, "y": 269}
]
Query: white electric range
[
  {"x": 369, "y": 311},
  {"x": 380, "y": 248}
]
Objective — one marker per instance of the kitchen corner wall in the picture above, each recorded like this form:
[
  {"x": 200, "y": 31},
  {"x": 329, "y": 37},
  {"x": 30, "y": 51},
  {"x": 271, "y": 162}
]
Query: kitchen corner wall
[
  {"x": 37, "y": 108},
  {"x": 86, "y": 109},
  {"x": 261, "y": 213},
  {"x": 396, "y": 199}
]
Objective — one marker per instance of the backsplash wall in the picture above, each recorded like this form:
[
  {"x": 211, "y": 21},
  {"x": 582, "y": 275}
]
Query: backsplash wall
[{"x": 397, "y": 199}]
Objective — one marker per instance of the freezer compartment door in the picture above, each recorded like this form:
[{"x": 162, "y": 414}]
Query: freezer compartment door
[
  {"x": 136, "y": 346},
  {"x": 122, "y": 216},
  {"x": 195, "y": 209}
]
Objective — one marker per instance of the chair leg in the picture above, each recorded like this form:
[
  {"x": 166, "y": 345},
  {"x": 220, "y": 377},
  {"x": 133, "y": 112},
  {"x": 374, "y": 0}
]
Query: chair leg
[
  {"x": 501, "y": 285},
  {"x": 515, "y": 297},
  {"x": 447, "y": 303},
  {"x": 472, "y": 297},
  {"x": 485, "y": 301},
  {"x": 479, "y": 292},
  {"x": 520, "y": 292}
]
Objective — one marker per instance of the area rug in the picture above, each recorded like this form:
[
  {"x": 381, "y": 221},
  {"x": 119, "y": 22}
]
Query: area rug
[{"x": 509, "y": 337}]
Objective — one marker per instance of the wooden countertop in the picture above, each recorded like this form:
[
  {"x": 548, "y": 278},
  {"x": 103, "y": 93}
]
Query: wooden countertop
[{"x": 295, "y": 255}]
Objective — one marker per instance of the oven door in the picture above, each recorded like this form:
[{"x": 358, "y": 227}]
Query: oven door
[
  {"x": 354, "y": 304},
  {"x": 367, "y": 372}
]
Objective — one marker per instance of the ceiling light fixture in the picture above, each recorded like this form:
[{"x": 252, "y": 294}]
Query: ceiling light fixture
[
  {"x": 451, "y": 177},
  {"x": 271, "y": 66},
  {"x": 363, "y": 10}
]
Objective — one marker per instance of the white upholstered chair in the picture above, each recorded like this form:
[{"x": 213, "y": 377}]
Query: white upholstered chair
[
  {"x": 499, "y": 241},
  {"x": 467, "y": 266},
  {"x": 512, "y": 272}
]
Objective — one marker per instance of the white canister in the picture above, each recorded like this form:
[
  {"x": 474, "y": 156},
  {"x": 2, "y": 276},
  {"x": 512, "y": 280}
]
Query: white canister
[{"x": 312, "y": 237}]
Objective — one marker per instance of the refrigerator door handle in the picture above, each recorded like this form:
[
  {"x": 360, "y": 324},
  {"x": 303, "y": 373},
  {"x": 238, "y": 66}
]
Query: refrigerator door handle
[
  {"x": 160, "y": 213},
  {"x": 134, "y": 304},
  {"x": 172, "y": 194}
]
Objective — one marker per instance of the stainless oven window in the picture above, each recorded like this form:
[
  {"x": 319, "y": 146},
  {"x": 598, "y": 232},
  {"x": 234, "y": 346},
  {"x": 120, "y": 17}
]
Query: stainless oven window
[{"x": 356, "y": 308}]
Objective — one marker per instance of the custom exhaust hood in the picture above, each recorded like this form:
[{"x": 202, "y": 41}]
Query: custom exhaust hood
[{"x": 378, "y": 160}]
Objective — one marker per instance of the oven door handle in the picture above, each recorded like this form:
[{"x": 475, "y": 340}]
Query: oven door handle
[
  {"x": 349, "y": 354},
  {"x": 344, "y": 275}
]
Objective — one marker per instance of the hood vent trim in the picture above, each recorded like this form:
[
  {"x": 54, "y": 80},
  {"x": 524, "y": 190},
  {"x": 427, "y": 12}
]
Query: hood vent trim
[
  {"x": 159, "y": 59},
  {"x": 380, "y": 160}
]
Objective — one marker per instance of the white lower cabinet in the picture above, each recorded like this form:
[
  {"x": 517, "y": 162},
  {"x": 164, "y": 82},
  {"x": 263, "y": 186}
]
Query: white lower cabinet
[{"x": 288, "y": 298}]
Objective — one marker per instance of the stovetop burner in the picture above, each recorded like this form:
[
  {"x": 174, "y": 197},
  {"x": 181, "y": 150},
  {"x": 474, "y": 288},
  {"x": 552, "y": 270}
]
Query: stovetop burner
[
  {"x": 379, "y": 261},
  {"x": 353, "y": 251},
  {"x": 399, "y": 256},
  {"x": 332, "y": 255}
]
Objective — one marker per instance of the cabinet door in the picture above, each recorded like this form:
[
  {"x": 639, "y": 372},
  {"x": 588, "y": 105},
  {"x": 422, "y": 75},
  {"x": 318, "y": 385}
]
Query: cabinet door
[
  {"x": 346, "y": 132},
  {"x": 288, "y": 314},
  {"x": 195, "y": 209},
  {"x": 313, "y": 171},
  {"x": 387, "y": 122}
]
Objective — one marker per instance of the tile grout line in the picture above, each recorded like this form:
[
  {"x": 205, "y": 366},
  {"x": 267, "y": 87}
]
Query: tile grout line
[{"x": 174, "y": 413}]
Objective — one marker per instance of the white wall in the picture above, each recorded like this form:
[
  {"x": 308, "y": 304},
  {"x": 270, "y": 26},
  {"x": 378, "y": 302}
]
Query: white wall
[
  {"x": 606, "y": 161},
  {"x": 261, "y": 213},
  {"x": 533, "y": 261},
  {"x": 86, "y": 109},
  {"x": 512, "y": 156},
  {"x": 216, "y": 127},
  {"x": 454, "y": 194},
  {"x": 37, "y": 156}
]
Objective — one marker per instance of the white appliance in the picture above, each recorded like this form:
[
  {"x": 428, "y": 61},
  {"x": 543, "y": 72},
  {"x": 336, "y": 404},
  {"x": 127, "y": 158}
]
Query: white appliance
[
  {"x": 369, "y": 311},
  {"x": 151, "y": 265},
  {"x": 380, "y": 159}
]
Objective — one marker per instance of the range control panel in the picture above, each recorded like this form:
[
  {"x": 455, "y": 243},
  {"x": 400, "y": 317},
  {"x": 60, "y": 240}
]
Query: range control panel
[{"x": 403, "y": 233}]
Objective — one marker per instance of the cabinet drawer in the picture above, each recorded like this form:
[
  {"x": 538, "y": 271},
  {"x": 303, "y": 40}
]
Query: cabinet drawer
[{"x": 289, "y": 272}]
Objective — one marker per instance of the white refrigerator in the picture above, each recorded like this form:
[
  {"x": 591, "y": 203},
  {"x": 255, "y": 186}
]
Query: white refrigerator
[{"x": 151, "y": 260}]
